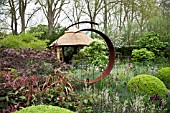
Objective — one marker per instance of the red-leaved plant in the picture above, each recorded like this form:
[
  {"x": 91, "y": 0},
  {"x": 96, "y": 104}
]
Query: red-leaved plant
[
  {"x": 18, "y": 91},
  {"x": 28, "y": 61}
]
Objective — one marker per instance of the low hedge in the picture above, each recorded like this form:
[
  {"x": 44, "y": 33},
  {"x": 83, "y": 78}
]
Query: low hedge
[{"x": 44, "y": 109}]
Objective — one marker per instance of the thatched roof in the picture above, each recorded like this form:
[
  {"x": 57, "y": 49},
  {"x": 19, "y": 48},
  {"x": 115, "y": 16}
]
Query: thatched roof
[{"x": 70, "y": 38}]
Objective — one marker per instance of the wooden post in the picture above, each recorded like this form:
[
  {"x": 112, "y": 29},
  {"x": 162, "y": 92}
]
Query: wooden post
[
  {"x": 63, "y": 53},
  {"x": 58, "y": 53}
]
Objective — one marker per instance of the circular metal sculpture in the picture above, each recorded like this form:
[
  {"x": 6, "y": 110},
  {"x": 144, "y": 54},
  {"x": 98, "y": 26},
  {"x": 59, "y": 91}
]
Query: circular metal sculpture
[{"x": 111, "y": 52}]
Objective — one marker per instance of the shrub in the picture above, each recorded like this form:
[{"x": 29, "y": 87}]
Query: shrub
[
  {"x": 94, "y": 54},
  {"x": 28, "y": 61},
  {"x": 164, "y": 75},
  {"x": 17, "y": 92},
  {"x": 142, "y": 55},
  {"x": 43, "y": 31},
  {"x": 147, "y": 84},
  {"x": 44, "y": 109},
  {"x": 28, "y": 40},
  {"x": 126, "y": 50},
  {"x": 152, "y": 43}
]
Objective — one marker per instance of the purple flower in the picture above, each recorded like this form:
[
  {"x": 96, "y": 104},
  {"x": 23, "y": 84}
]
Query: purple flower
[
  {"x": 155, "y": 98},
  {"x": 117, "y": 79},
  {"x": 59, "y": 98}
]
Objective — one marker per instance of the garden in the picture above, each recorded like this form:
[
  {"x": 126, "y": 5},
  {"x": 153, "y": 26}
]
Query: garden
[
  {"x": 121, "y": 64},
  {"x": 33, "y": 80}
]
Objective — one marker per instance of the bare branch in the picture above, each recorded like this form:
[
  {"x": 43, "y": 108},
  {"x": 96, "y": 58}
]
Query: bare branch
[{"x": 32, "y": 14}]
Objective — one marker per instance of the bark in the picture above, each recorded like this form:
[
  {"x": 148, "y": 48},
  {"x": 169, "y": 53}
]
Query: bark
[
  {"x": 105, "y": 17},
  {"x": 22, "y": 8},
  {"x": 52, "y": 10},
  {"x": 14, "y": 24}
]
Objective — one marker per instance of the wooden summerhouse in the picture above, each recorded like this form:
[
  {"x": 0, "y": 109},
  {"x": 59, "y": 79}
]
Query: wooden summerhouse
[{"x": 70, "y": 39}]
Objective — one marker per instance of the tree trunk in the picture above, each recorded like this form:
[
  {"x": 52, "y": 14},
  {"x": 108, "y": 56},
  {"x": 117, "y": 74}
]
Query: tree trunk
[
  {"x": 22, "y": 8},
  {"x": 13, "y": 17},
  {"x": 105, "y": 17},
  {"x": 50, "y": 17}
]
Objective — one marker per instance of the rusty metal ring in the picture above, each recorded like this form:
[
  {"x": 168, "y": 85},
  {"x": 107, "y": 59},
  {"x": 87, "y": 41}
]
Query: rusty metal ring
[
  {"x": 111, "y": 58},
  {"x": 90, "y": 22}
]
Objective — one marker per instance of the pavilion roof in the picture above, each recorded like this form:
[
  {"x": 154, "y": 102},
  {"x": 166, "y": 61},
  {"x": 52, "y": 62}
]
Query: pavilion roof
[{"x": 70, "y": 38}]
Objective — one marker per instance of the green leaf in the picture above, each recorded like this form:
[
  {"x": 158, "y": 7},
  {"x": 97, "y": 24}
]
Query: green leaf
[
  {"x": 2, "y": 98},
  {"x": 85, "y": 101},
  {"x": 22, "y": 97}
]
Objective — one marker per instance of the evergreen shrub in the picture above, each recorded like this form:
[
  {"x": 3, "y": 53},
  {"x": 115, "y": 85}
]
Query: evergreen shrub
[
  {"x": 24, "y": 40},
  {"x": 147, "y": 84},
  {"x": 44, "y": 109},
  {"x": 142, "y": 55},
  {"x": 164, "y": 75}
]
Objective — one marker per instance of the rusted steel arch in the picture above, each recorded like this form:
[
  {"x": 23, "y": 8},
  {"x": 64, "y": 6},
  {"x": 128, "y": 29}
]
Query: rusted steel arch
[
  {"x": 111, "y": 58},
  {"x": 90, "y": 22}
]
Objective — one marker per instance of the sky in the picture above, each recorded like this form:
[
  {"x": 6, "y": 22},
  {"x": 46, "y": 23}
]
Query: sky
[{"x": 39, "y": 18}]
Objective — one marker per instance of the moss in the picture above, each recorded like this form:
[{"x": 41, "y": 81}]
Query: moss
[
  {"x": 44, "y": 109},
  {"x": 147, "y": 84},
  {"x": 164, "y": 75}
]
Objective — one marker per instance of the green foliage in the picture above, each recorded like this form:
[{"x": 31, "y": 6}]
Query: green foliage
[
  {"x": 152, "y": 43},
  {"x": 28, "y": 61},
  {"x": 126, "y": 50},
  {"x": 94, "y": 54},
  {"x": 160, "y": 25},
  {"x": 147, "y": 84},
  {"x": 58, "y": 32},
  {"x": 12, "y": 70},
  {"x": 22, "y": 91},
  {"x": 2, "y": 35},
  {"x": 164, "y": 75},
  {"x": 44, "y": 109},
  {"x": 23, "y": 40},
  {"x": 17, "y": 91},
  {"x": 167, "y": 49},
  {"x": 43, "y": 31},
  {"x": 142, "y": 55}
]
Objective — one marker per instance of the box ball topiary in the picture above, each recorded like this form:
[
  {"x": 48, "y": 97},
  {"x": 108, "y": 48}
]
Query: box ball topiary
[
  {"x": 147, "y": 84},
  {"x": 43, "y": 109},
  {"x": 164, "y": 75}
]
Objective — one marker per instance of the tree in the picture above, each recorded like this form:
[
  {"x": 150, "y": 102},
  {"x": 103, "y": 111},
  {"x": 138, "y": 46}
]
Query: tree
[
  {"x": 144, "y": 10},
  {"x": 9, "y": 9},
  {"x": 161, "y": 23},
  {"x": 75, "y": 13},
  {"x": 44, "y": 35},
  {"x": 22, "y": 8},
  {"x": 107, "y": 13},
  {"x": 42, "y": 29},
  {"x": 52, "y": 11},
  {"x": 15, "y": 10},
  {"x": 92, "y": 9},
  {"x": 131, "y": 18},
  {"x": 22, "y": 13}
]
